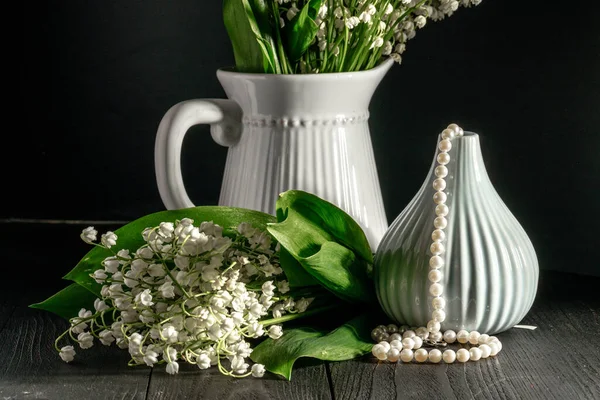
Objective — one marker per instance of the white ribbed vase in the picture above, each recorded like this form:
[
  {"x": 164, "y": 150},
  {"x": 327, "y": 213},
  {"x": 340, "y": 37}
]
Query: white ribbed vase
[
  {"x": 305, "y": 132},
  {"x": 491, "y": 271}
]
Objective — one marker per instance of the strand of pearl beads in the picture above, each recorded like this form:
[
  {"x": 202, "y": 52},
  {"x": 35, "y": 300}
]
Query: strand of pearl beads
[{"x": 405, "y": 343}]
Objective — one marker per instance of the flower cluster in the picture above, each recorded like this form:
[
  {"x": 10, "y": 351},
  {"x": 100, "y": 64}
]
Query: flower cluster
[
  {"x": 356, "y": 35},
  {"x": 189, "y": 294}
]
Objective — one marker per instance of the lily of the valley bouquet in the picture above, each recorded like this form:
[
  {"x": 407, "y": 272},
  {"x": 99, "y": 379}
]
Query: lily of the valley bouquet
[
  {"x": 318, "y": 36},
  {"x": 214, "y": 287}
]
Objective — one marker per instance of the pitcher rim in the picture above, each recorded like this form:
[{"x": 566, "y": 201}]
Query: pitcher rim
[{"x": 383, "y": 67}]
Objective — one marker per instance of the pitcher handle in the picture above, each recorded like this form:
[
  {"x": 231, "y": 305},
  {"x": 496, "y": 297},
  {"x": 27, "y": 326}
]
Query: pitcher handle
[{"x": 225, "y": 118}]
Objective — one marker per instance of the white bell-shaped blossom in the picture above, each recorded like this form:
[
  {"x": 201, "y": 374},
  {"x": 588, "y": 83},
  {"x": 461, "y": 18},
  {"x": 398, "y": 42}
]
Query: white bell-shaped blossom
[
  {"x": 109, "y": 239},
  {"x": 89, "y": 235},
  {"x": 67, "y": 353}
]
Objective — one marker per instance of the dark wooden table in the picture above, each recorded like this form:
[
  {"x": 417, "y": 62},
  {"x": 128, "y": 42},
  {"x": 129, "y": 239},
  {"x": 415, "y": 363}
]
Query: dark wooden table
[{"x": 558, "y": 360}]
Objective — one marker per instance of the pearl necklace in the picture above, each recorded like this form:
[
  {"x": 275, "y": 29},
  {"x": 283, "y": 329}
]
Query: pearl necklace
[{"x": 405, "y": 343}]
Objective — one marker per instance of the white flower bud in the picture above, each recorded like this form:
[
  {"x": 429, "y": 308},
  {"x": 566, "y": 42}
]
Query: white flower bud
[
  {"x": 67, "y": 353},
  {"x": 275, "y": 331},
  {"x": 109, "y": 239},
  {"x": 258, "y": 370},
  {"x": 172, "y": 368},
  {"x": 89, "y": 235}
]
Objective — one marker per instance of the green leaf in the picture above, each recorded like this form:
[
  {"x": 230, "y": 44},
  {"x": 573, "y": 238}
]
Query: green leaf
[
  {"x": 130, "y": 235},
  {"x": 295, "y": 273},
  {"x": 349, "y": 341},
  {"x": 250, "y": 55},
  {"x": 302, "y": 30},
  {"x": 68, "y": 301},
  {"x": 327, "y": 243}
]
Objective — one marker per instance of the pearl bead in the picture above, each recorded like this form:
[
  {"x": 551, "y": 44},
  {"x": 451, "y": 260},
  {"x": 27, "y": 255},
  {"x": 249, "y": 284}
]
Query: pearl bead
[
  {"x": 483, "y": 339},
  {"x": 443, "y": 158},
  {"x": 462, "y": 336},
  {"x": 475, "y": 353},
  {"x": 437, "y": 248},
  {"x": 448, "y": 133},
  {"x": 450, "y": 336},
  {"x": 436, "y": 262},
  {"x": 408, "y": 343},
  {"x": 384, "y": 337},
  {"x": 379, "y": 352},
  {"x": 441, "y": 210},
  {"x": 463, "y": 355},
  {"x": 391, "y": 328},
  {"x": 403, "y": 328},
  {"x": 453, "y": 127},
  {"x": 445, "y": 145},
  {"x": 422, "y": 332},
  {"x": 440, "y": 222},
  {"x": 396, "y": 344},
  {"x": 406, "y": 355},
  {"x": 435, "y": 336},
  {"x": 440, "y": 198},
  {"x": 439, "y": 184},
  {"x": 460, "y": 132},
  {"x": 386, "y": 346},
  {"x": 433, "y": 326},
  {"x": 421, "y": 355},
  {"x": 494, "y": 348},
  {"x": 435, "y": 356},
  {"x": 395, "y": 336},
  {"x": 441, "y": 171},
  {"x": 493, "y": 339},
  {"x": 449, "y": 356},
  {"x": 499, "y": 344},
  {"x": 436, "y": 289},
  {"x": 408, "y": 334},
  {"x": 474, "y": 337},
  {"x": 438, "y": 235},
  {"x": 485, "y": 350},
  {"x": 393, "y": 355},
  {"x": 375, "y": 334},
  {"x": 434, "y": 276},
  {"x": 418, "y": 342},
  {"x": 438, "y": 303},
  {"x": 438, "y": 315}
]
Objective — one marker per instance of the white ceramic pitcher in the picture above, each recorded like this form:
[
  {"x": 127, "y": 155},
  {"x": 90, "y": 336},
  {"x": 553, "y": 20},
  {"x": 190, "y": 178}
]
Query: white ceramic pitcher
[{"x": 305, "y": 132}]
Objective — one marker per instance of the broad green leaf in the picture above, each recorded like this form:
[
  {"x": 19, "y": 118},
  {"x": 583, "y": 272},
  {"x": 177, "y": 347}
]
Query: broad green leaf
[
  {"x": 302, "y": 30},
  {"x": 68, "y": 301},
  {"x": 326, "y": 242},
  {"x": 249, "y": 54},
  {"x": 295, "y": 273},
  {"x": 330, "y": 218},
  {"x": 349, "y": 341},
  {"x": 130, "y": 235}
]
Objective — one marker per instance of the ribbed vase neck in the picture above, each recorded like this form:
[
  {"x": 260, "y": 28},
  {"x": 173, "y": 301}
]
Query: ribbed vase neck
[{"x": 466, "y": 166}]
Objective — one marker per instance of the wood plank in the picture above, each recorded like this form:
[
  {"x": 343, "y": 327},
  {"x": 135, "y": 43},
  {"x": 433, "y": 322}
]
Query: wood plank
[
  {"x": 31, "y": 368},
  {"x": 558, "y": 360},
  {"x": 309, "y": 381}
]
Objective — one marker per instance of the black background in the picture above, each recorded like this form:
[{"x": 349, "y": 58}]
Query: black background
[{"x": 96, "y": 77}]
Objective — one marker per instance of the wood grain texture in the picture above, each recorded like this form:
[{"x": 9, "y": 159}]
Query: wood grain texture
[
  {"x": 31, "y": 368},
  {"x": 309, "y": 381},
  {"x": 559, "y": 360}
]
